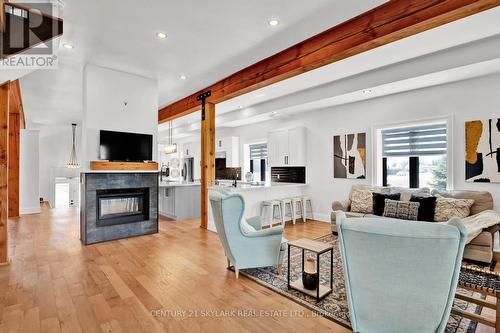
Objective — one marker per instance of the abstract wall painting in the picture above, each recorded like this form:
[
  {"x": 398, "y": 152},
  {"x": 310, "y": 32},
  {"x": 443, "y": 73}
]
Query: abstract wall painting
[
  {"x": 349, "y": 156},
  {"x": 482, "y": 151}
]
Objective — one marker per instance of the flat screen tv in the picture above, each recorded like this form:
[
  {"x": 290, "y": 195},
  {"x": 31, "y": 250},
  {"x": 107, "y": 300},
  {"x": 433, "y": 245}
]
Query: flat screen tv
[{"x": 125, "y": 147}]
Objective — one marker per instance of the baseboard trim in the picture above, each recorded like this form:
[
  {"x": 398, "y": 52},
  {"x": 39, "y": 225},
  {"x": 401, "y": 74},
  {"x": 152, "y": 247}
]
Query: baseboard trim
[
  {"x": 29, "y": 210},
  {"x": 322, "y": 217},
  {"x": 8, "y": 262}
]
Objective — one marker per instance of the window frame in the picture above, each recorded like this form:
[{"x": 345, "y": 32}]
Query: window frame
[
  {"x": 247, "y": 159},
  {"x": 378, "y": 165}
]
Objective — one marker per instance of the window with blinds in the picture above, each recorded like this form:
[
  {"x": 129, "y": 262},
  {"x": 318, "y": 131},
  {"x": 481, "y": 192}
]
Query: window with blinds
[
  {"x": 258, "y": 161},
  {"x": 415, "y": 141},
  {"x": 258, "y": 151}
]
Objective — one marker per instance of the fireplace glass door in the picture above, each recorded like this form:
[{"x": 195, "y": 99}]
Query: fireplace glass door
[{"x": 119, "y": 206}]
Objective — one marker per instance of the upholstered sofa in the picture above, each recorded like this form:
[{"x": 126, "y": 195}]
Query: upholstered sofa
[{"x": 480, "y": 248}]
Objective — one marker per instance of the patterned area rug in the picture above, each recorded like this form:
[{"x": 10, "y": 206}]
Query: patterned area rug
[{"x": 334, "y": 306}]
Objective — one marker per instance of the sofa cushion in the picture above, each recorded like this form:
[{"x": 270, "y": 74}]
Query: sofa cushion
[
  {"x": 478, "y": 253},
  {"x": 447, "y": 208},
  {"x": 406, "y": 193},
  {"x": 483, "y": 200},
  {"x": 379, "y": 202},
  {"x": 404, "y": 210},
  {"x": 483, "y": 239},
  {"x": 427, "y": 207},
  {"x": 377, "y": 189},
  {"x": 362, "y": 201}
]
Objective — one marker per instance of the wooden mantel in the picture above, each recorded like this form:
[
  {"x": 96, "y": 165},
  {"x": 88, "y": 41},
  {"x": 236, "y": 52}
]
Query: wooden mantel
[
  {"x": 123, "y": 166},
  {"x": 382, "y": 25}
]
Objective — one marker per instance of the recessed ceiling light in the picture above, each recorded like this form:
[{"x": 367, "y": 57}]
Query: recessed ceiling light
[
  {"x": 161, "y": 35},
  {"x": 273, "y": 22},
  {"x": 367, "y": 91},
  {"x": 68, "y": 46},
  {"x": 183, "y": 77}
]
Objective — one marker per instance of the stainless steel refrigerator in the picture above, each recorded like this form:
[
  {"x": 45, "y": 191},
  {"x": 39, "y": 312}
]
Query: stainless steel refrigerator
[{"x": 188, "y": 169}]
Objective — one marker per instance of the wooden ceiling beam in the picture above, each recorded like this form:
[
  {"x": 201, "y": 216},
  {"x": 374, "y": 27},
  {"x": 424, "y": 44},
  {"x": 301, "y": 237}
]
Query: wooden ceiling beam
[{"x": 382, "y": 25}]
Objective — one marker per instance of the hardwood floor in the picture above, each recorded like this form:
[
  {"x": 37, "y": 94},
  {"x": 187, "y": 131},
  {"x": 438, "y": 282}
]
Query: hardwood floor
[{"x": 165, "y": 282}]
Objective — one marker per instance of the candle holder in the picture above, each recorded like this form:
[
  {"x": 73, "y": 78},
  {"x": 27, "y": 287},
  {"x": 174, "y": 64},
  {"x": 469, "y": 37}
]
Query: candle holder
[{"x": 310, "y": 275}]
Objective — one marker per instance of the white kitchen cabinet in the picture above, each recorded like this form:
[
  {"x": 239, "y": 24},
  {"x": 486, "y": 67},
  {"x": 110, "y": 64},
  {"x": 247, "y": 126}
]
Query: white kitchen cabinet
[
  {"x": 297, "y": 147},
  {"x": 190, "y": 149},
  {"x": 275, "y": 148},
  {"x": 230, "y": 146},
  {"x": 287, "y": 147},
  {"x": 180, "y": 202}
]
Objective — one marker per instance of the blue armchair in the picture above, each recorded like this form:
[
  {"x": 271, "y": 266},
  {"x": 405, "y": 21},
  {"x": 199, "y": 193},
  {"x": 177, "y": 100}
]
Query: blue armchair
[
  {"x": 401, "y": 276},
  {"x": 245, "y": 243}
]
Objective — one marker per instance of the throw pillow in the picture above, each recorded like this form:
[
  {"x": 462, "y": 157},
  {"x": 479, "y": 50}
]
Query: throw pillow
[
  {"x": 362, "y": 201},
  {"x": 405, "y": 210},
  {"x": 427, "y": 207},
  {"x": 379, "y": 201},
  {"x": 447, "y": 208}
]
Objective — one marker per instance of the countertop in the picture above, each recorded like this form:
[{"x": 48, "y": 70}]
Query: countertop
[
  {"x": 250, "y": 187},
  {"x": 178, "y": 184},
  {"x": 120, "y": 171}
]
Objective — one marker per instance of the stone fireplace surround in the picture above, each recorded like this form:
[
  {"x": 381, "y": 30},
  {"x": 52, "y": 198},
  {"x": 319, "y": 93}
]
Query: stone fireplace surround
[{"x": 92, "y": 182}]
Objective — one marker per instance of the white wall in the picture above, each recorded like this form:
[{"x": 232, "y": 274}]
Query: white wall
[
  {"x": 466, "y": 100},
  {"x": 55, "y": 149},
  {"x": 105, "y": 93},
  {"x": 29, "y": 196}
]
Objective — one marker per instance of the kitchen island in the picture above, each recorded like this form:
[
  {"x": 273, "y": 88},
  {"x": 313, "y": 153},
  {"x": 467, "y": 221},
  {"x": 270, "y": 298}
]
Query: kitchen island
[
  {"x": 180, "y": 200},
  {"x": 255, "y": 194}
]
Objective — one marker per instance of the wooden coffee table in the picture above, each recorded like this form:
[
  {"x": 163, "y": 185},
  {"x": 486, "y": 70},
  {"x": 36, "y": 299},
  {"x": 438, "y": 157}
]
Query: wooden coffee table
[{"x": 319, "y": 248}]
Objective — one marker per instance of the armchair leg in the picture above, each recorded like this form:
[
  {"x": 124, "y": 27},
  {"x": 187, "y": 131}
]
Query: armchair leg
[
  {"x": 228, "y": 263},
  {"x": 237, "y": 271},
  {"x": 280, "y": 269}
]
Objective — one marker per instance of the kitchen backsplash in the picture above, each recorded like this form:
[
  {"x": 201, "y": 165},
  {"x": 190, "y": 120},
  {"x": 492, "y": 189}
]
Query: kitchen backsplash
[
  {"x": 228, "y": 173},
  {"x": 289, "y": 174}
]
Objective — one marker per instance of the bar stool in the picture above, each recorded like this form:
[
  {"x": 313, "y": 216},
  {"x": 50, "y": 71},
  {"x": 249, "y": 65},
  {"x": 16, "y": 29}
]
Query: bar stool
[
  {"x": 268, "y": 211},
  {"x": 298, "y": 209},
  {"x": 286, "y": 203},
  {"x": 308, "y": 204}
]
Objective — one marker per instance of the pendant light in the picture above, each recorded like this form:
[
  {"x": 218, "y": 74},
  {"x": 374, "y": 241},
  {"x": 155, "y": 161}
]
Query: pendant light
[
  {"x": 171, "y": 148},
  {"x": 73, "y": 161}
]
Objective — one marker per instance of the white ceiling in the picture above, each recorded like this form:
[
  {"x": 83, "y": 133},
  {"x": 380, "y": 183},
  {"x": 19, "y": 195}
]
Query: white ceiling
[
  {"x": 460, "y": 50},
  {"x": 207, "y": 41}
]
